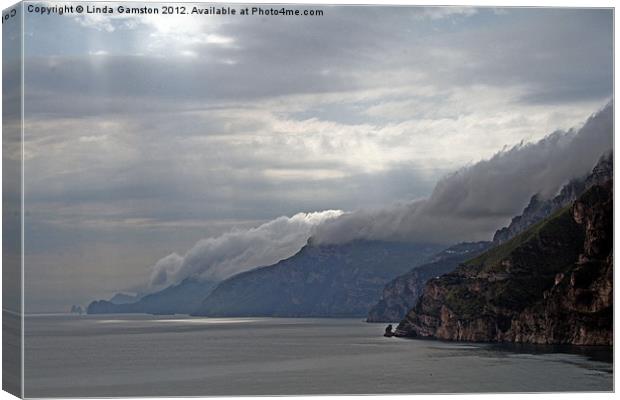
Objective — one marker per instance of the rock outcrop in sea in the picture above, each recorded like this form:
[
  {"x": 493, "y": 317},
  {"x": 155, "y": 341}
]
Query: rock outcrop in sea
[{"x": 76, "y": 310}]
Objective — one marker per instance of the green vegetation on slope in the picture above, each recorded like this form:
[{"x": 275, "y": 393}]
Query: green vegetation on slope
[
  {"x": 515, "y": 274},
  {"x": 558, "y": 226}
]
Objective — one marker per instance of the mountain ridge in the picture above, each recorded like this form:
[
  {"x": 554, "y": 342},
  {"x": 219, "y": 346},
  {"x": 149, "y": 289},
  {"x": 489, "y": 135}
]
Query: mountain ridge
[
  {"x": 551, "y": 284},
  {"x": 318, "y": 281},
  {"x": 182, "y": 298},
  {"x": 402, "y": 293},
  {"x": 539, "y": 208}
]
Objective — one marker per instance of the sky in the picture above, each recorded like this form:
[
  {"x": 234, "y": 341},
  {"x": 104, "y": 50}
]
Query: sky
[{"x": 149, "y": 140}]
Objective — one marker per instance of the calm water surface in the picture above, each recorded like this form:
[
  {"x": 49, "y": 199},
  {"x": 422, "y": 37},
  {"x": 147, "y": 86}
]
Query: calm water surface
[{"x": 127, "y": 355}]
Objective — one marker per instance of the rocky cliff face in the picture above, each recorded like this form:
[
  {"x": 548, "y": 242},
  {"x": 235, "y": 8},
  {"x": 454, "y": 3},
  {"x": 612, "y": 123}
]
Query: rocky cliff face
[
  {"x": 539, "y": 208},
  {"x": 551, "y": 284},
  {"x": 400, "y": 294},
  {"x": 318, "y": 281}
]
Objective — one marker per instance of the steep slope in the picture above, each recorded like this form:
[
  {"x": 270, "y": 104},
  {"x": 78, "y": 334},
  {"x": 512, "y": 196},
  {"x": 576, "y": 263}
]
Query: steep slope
[
  {"x": 318, "y": 281},
  {"x": 183, "y": 298},
  {"x": 401, "y": 294},
  {"x": 550, "y": 284},
  {"x": 539, "y": 208}
]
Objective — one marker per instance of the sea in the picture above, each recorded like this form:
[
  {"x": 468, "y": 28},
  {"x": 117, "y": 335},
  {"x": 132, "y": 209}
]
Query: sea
[{"x": 141, "y": 355}]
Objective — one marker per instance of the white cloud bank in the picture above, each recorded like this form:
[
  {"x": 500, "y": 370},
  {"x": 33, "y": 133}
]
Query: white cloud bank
[
  {"x": 237, "y": 251},
  {"x": 469, "y": 204},
  {"x": 473, "y": 202}
]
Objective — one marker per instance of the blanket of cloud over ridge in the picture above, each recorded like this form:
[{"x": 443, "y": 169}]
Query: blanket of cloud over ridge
[
  {"x": 219, "y": 257},
  {"x": 469, "y": 204}
]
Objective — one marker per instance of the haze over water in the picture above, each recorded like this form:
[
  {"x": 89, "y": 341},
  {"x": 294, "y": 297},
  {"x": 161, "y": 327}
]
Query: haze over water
[{"x": 130, "y": 355}]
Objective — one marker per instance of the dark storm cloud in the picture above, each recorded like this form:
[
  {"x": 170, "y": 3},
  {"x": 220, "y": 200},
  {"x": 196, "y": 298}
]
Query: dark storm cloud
[
  {"x": 560, "y": 56},
  {"x": 557, "y": 55},
  {"x": 145, "y": 77}
]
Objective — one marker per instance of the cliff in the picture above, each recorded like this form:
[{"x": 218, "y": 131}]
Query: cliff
[
  {"x": 540, "y": 208},
  {"x": 402, "y": 293},
  {"x": 551, "y": 284},
  {"x": 318, "y": 281}
]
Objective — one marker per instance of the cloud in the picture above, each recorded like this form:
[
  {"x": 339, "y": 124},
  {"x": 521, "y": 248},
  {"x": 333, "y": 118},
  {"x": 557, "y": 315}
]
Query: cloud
[
  {"x": 217, "y": 258},
  {"x": 99, "y": 22},
  {"x": 558, "y": 55},
  {"x": 469, "y": 204},
  {"x": 473, "y": 202},
  {"x": 436, "y": 13}
]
